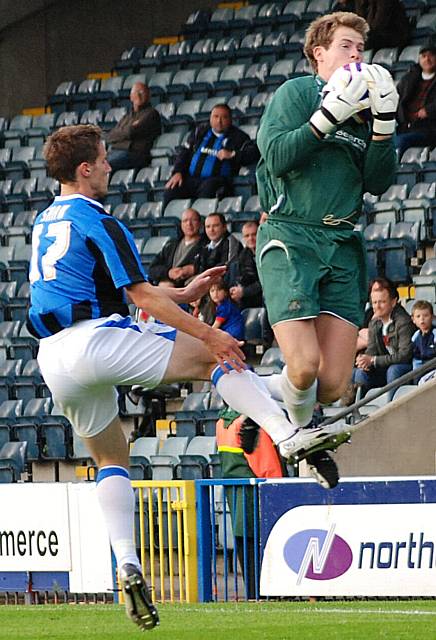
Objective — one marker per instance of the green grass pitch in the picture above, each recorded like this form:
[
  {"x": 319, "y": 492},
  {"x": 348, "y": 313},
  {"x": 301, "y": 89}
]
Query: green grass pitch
[{"x": 366, "y": 620}]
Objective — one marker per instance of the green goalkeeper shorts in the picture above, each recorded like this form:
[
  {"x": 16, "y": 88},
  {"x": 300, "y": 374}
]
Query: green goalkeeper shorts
[{"x": 307, "y": 270}]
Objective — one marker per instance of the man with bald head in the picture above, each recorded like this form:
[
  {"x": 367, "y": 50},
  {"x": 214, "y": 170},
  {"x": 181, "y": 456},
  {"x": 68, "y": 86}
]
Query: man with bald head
[
  {"x": 132, "y": 138},
  {"x": 177, "y": 260}
]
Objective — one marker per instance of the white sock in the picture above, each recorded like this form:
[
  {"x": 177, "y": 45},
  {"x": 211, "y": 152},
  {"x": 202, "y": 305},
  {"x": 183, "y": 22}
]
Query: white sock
[
  {"x": 246, "y": 393},
  {"x": 300, "y": 403},
  {"x": 274, "y": 385},
  {"x": 117, "y": 501}
]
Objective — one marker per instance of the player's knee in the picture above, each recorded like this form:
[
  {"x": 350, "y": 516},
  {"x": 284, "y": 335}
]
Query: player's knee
[{"x": 304, "y": 375}]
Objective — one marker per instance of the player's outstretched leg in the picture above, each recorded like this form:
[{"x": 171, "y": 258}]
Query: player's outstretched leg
[{"x": 139, "y": 606}]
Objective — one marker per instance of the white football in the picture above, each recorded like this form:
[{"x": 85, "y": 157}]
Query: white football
[{"x": 342, "y": 77}]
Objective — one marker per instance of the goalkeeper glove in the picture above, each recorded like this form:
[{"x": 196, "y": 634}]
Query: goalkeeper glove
[
  {"x": 339, "y": 105},
  {"x": 383, "y": 99}
]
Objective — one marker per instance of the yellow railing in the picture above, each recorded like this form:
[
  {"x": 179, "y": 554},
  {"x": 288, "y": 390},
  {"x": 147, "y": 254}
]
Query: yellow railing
[{"x": 168, "y": 538}]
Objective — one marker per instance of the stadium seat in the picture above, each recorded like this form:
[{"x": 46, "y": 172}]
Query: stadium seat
[
  {"x": 204, "y": 84},
  {"x": 128, "y": 62},
  {"x": 139, "y": 468},
  {"x": 163, "y": 466},
  {"x": 404, "y": 390},
  {"x": 195, "y": 463},
  {"x": 56, "y": 440},
  {"x": 180, "y": 86},
  {"x": 83, "y": 99},
  {"x": 13, "y": 460},
  {"x": 204, "y": 206},
  {"x": 118, "y": 186},
  {"x": 16, "y": 133},
  {"x": 165, "y": 145},
  {"x": 186, "y": 112},
  {"x": 112, "y": 117},
  {"x": 386, "y": 57},
  {"x": 186, "y": 427},
  {"x": 230, "y": 204},
  {"x": 28, "y": 432},
  {"x": 145, "y": 447},
  {"x": 243, "y": 19},
  {"x": 280, "y": 71},
  {"x": 150, "y": 210},
  {"x": 272, "y": 362},
  {"x": 106, "y": 96},
  {"x": 18, "y": 166},
  {"x": 220, "y": 20},
  {"x": 60, "y": 100},
  {"x": 67, "y": 118},
  {"x": 152, "y": 247}
]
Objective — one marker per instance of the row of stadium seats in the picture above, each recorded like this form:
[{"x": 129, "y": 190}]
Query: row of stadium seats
[
  {"x": 264, "y": 16},
  {"x": 178, "y": 457}
]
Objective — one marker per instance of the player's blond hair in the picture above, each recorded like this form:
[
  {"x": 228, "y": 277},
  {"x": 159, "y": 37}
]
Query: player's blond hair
[{"x": 322, "y": 30}]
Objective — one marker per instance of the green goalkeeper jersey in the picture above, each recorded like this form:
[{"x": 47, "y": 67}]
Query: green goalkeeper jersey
[{"x": 310, "y": 181}]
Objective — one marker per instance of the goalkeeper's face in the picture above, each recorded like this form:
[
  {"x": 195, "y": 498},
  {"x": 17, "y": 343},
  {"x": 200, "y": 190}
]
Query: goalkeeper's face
[{"x": 347, "y": 46}]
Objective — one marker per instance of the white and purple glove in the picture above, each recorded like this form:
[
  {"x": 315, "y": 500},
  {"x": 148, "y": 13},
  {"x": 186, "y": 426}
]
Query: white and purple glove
[
  {"x": 383, "y": 99},
  {"x": 345, "y": 94}
]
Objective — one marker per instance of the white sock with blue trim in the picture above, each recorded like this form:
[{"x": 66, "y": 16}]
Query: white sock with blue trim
[
  {"x": 117, "y": 501},
  {"x": 300, "y": 403},
  {"x": 246, "y": 393}
]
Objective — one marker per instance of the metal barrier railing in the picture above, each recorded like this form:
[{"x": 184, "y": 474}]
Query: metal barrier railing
[
  {"x": 228, "y": 539},
  {"x": 166, "y": 535},
  {"x": 353, "y": 409}
]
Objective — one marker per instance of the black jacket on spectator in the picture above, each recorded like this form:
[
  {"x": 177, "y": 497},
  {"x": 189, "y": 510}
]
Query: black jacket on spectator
[
  {"x": 236, "y": 140},
  {"x": 227, "y": 251},
  {"x": 407, "y": 88},
  {"x": 244, "y": 272},
  {"x": 389, "y": 25},
  {"x": 163, "y": 261}
]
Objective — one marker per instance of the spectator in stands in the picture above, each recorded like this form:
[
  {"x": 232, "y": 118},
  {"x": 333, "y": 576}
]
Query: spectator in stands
[
  {"x": 83, "y": 262},
  {"x": 228, "y": 316},
  {"x": 389, "y": 352},
  {"x": 344, "y": 5},
  {"x": 417, "y": 107},
  {"x": 424, "y": 345},
  {"x": 132, "y": 138},
  {"x": 221, "y": 248},
  {"x": 177, "y": 260},
  {"x": 375, "y": 285},
  {"x": 213, "y": 154},
  {"x": 388, "y": 23},
  {"x": 317, "y": 161},
  {"x": 246, "y": 289}
]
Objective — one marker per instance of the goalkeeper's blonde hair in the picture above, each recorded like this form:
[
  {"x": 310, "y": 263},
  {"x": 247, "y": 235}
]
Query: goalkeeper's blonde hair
[{"x": 321, "y": 31}]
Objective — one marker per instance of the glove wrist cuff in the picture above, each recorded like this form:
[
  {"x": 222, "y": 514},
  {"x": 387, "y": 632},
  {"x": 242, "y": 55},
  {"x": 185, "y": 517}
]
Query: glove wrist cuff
[
  {"x": 383, "y": 127},
  {"x": 322, "y": 122}
]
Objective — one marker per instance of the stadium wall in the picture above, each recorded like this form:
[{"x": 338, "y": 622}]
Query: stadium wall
[
  {"x": 397, "y": 440},
  {"x": 63, "y": 40}
]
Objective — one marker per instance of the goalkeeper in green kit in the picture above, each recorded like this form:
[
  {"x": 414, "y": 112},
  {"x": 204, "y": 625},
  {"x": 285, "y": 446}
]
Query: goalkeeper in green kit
[{"x": 324, "y": 141}]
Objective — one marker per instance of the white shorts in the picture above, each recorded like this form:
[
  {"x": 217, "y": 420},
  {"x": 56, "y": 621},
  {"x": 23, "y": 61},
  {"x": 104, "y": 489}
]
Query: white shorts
[{"x": 83, "y": 364}]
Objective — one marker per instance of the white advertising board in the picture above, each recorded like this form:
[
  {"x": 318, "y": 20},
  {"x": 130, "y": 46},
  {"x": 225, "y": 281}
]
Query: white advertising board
[
  {"x": 34, "y": 528},
  {"x": 351, "y": 549}
]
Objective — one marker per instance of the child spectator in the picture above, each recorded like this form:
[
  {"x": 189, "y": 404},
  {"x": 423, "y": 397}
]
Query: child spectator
[
  {"x": 228, "y": 317},
  {"x": 424, "y": 347}
]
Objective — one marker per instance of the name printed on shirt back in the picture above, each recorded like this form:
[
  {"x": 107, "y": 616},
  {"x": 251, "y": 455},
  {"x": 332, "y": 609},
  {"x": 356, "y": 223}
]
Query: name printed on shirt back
[{"x": 56, "y": 212}]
